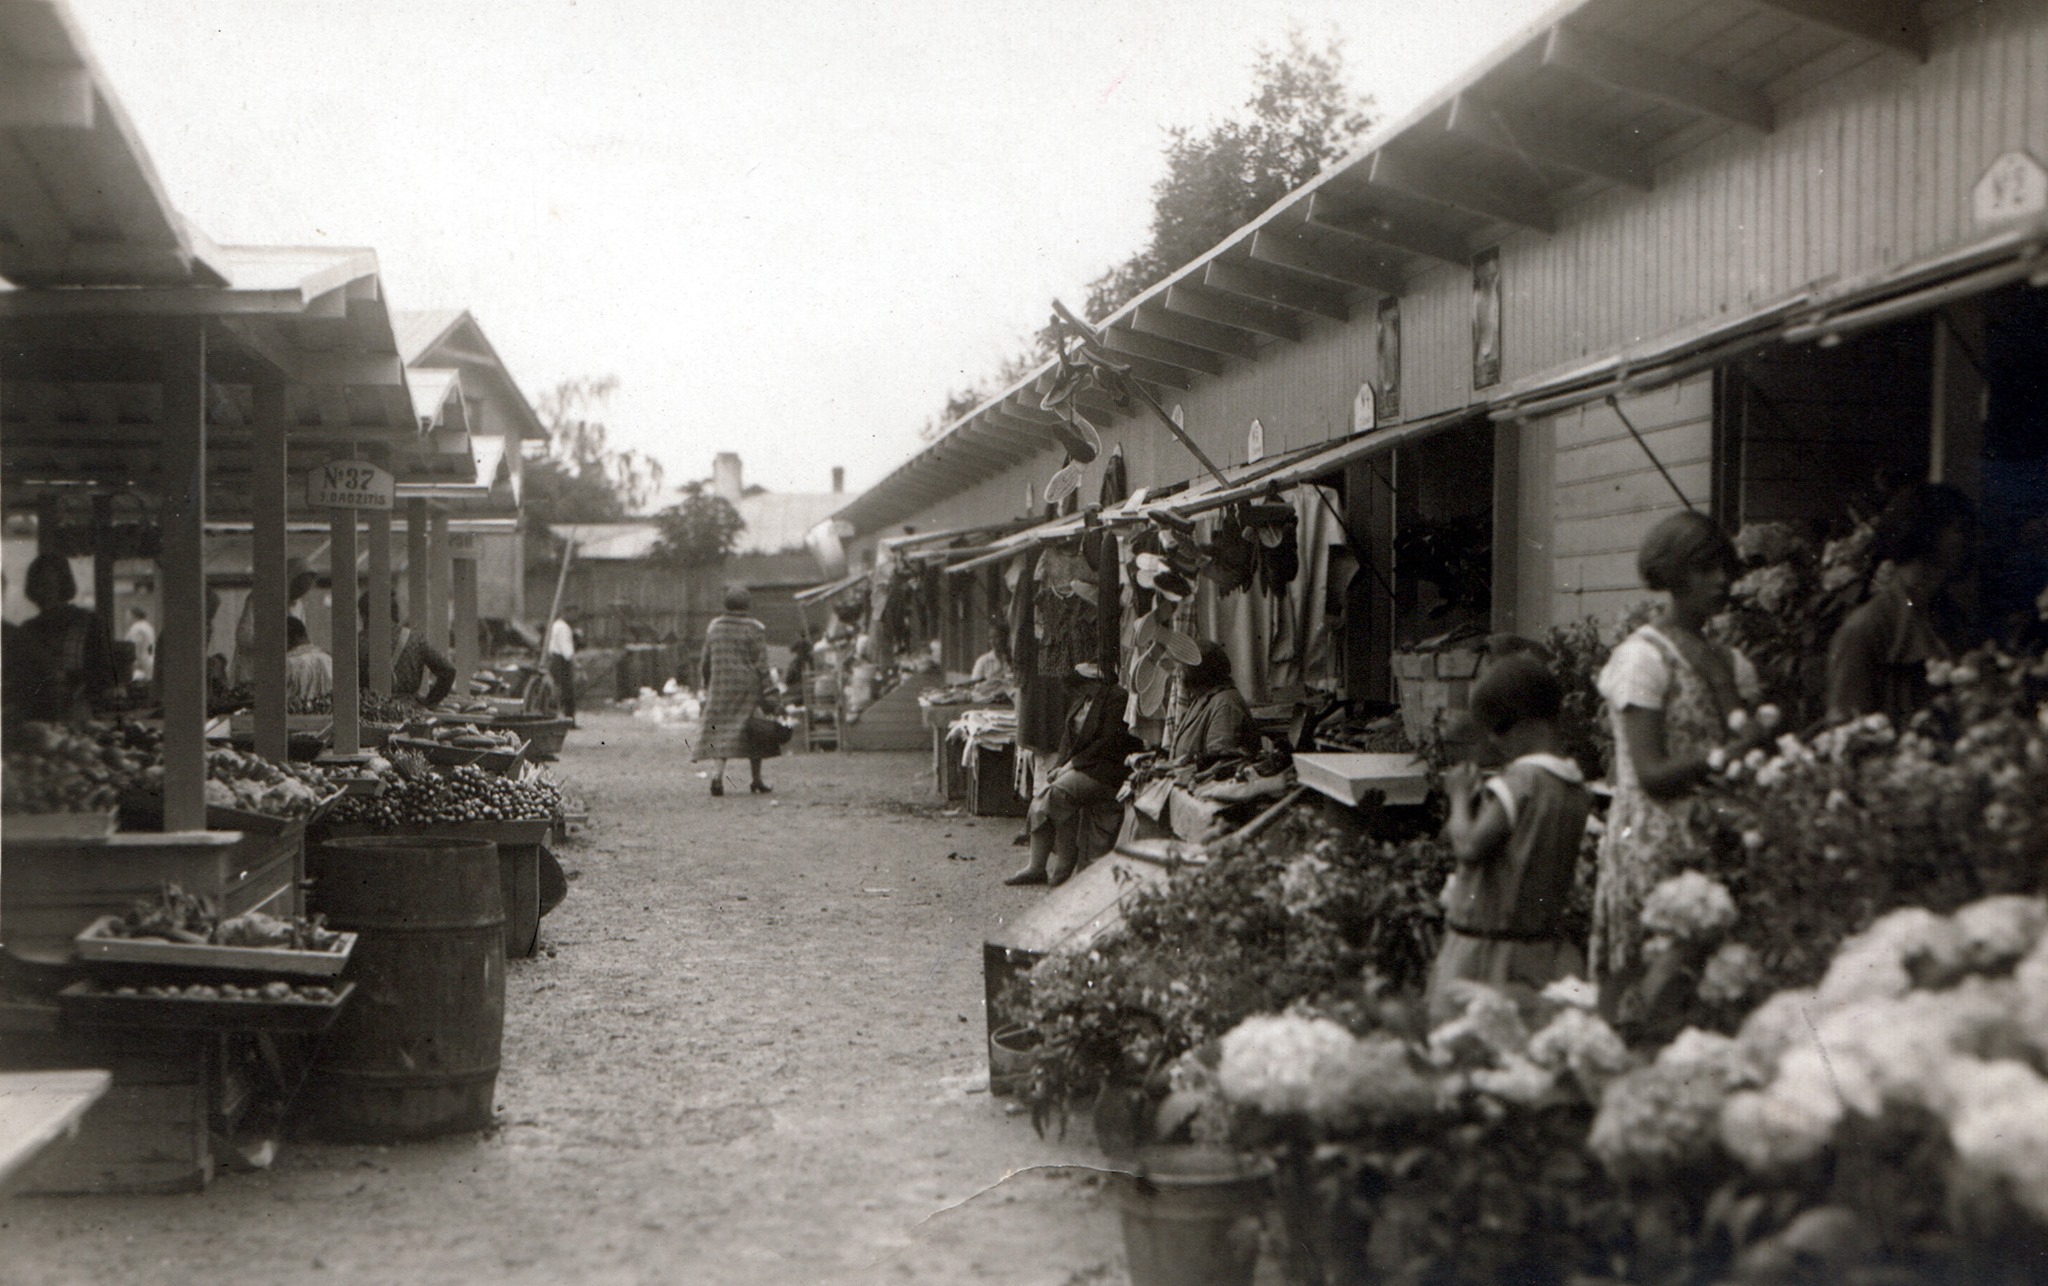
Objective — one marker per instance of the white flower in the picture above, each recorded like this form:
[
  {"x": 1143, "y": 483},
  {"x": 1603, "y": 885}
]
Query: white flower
[
  {"x": 1717, "y": 758},
  {"x": 1582, "y": 1043},
  {"x": 1738, "y": 719},
  {"x": 1284, "y": 1063},
  {"x": 1485, "y": 1029},
  {"x": 1689, "y": 906},
  {"x": 1655, "y": 1119},
  {"x": 1767, "y": 1132},
  {"x": 1769, "y": 716},
  {"x": 1705, "y": 1053},
  {"x": 2000, "y": 1127},
  {"x": 1302, "y": 884},
  {"x": 1575, "y": 992},
  {"x": 1516, "y": 1080},
  {"x": 1996, "y": 931},
  {"x": 1777, "y": 1025},
  {"x": 1730, "y": 974}
]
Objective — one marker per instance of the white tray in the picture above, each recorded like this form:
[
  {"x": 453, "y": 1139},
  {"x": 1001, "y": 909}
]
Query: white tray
[
  {"x": 1348, "y": 777},
  {"x": 97, "y": 944}
]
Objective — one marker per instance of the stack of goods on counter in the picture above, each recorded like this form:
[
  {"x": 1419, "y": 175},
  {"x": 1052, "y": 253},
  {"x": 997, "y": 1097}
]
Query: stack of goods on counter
[
  {"x": 251, "y": 784},
  {"x": 467, "y": 736},
  {"x": 374, "y": 707},
  {"x": 174, "y": 946},
  {"x": 417, "y": 795},
  {"x": 990, "y": 691}
]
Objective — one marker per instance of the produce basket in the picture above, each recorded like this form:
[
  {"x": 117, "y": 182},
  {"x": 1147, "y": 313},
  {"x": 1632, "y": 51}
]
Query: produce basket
[
  {"x": 438, "y": 753},
  {"x": 47, "y": 826},
  {"x": 90, "y": 1004},
  {"x": 544, "y": 733},
  {"x": 99, "y": 943},
  {"x": 375, "y": 735},
  {"x": 504, "y": 762}
]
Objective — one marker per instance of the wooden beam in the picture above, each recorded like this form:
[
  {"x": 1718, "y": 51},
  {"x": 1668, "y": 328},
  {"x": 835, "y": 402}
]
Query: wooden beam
[
  {"x": 1383, "y": 228},
  {"x": 1147, "y": 371},
  {"x": 1340, "y": 263},
  {"x": 462, "y": 644},
  {"x": 1027, "y": 406},
  {"x": 440, "y": 574},
  {"x": 181, "y": 579},
  {"x": 1273, "y": 288},
  {"x": 1155, "y": 319},
  {"x": 997, "y": 418},
  {"x": 415, "y": 564},
  {"x": 1538, "y": 143},
  {"x": 1229, "y": 310},
  {"x": 1430, "y": 183},
  {"x": 1893, "y": 25},
  {"x": 36, "y": 96},
  {"x": 346, "y": 631},
  {"x": 1131, "y": 344},
  {"x": 1617, "y": 64},
  {"x": 377, "y": 622},
  {"x": 269, "y": 484}
]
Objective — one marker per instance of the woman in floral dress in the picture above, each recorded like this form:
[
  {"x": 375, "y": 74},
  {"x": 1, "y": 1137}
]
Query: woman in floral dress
[{"x": 1669, "y": 693}]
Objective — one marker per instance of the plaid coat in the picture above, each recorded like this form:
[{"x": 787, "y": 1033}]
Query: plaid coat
[{"x": 735, "y": 672}]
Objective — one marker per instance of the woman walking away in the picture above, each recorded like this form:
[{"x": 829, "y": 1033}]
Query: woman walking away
[
  {"x": 1877, "y": 663},
  {"x": 1669, "y": 694},
  {"x": 735, "y": 673}
]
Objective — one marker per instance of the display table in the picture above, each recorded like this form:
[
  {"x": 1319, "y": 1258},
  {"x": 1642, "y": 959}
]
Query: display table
[{"x": 38, "y": 1109}]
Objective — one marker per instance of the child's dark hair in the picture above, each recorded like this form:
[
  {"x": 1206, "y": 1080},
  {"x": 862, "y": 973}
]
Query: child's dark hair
[
  {"x": 1513, "y": 689},
  {"x": 1679, "y": 544},
  {"x": 295, "y": 632}
]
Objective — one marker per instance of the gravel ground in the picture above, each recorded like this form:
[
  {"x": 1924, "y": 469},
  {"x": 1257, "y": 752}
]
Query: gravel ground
[{"x": 750, "y": 1052}]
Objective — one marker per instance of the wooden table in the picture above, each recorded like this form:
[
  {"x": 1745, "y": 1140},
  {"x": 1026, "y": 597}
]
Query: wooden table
[{"x": 39, "y": 1108}]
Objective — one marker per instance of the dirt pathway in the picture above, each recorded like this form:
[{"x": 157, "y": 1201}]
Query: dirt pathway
[{"x": 753, "y": 1053}]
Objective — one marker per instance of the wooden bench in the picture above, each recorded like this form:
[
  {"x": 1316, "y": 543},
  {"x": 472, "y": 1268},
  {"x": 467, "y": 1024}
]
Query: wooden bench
[{"x": 38, "y": 1109}]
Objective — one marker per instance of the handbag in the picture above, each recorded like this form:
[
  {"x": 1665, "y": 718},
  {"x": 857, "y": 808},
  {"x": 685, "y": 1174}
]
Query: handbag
[{"x": 763, "y": 737}]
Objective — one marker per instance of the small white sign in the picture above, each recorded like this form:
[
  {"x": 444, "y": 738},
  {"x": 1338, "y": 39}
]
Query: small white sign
[
  {"x": 349, "y": 484},
  {"x": 1255, "y": 443},
  {"x": 1363, "y": 415},
  {"x": 2014, "y": 187}
]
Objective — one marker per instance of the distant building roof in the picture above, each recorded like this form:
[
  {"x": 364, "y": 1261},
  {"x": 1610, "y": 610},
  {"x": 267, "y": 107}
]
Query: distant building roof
[
  {"x": 776, "y": 524},
  {"x": 610, "y": 541}
]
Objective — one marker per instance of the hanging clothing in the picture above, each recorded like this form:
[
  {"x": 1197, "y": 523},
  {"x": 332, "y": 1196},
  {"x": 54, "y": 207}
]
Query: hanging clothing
[{"x": 308, "y": 673}]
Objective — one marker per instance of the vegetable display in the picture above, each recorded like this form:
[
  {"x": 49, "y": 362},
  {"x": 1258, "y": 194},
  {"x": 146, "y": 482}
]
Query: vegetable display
[
  {"x": 423, "y": 797},
  {"x": 174, "y": 915},
  {"x": 76, "y": 768}
]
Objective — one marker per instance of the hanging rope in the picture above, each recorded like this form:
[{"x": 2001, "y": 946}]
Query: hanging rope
[{"x": 1615, "y": 404}]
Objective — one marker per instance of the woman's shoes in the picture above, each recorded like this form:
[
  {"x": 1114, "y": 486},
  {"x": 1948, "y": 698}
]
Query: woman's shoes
[
  {"x": 1027, "y": 876},
  {"x": 717, "y": 787},
  {"x": 1059, "y": 875},
  {"x": 758, "y": 788}
]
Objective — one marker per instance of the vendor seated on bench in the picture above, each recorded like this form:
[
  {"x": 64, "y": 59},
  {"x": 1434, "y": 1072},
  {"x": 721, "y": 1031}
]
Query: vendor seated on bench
[
  {"x": 1074, "y": 812},
  {"x": 1215, "y": 723}
]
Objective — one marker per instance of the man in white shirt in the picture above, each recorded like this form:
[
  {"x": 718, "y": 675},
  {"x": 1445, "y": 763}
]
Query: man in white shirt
[{"x": 561, "y": 657}]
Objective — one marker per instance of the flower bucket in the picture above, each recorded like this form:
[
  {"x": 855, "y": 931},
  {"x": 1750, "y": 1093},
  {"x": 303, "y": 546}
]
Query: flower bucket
[
  {"x": 1011, "y": 1050},
  {"x": 1193, "y": 1217}
]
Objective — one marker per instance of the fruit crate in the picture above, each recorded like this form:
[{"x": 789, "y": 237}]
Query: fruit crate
[
  {"x": 100, "y": 944},
  {"x": 88, "y": 1003},
  {"x": 544, "y": 735}
]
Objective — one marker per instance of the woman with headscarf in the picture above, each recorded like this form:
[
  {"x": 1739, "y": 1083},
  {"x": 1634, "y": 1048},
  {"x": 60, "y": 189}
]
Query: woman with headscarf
[
  {"x": 734, "y": 666},
  {"x": 1669, "y": 693},
  {"x": 60, "y": 659},
  {"x": 1087, "y": 772},
  {"x": 1214, "y": 721},
  {"x": 1877, "y": 662}
]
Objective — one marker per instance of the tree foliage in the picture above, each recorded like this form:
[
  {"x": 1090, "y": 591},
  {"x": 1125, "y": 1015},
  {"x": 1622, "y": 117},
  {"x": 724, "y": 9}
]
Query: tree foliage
[
  {"x": 700, "y": 530},
  {"x": 576, "y": 476},
  {"x": 1302, "y": 115}
]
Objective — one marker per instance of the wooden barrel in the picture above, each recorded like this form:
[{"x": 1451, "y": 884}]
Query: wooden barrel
[{"x": 415, "y": 1053}]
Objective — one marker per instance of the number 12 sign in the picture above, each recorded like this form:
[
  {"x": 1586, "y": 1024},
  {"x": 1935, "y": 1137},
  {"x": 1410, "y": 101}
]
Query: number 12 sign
[{"x": 348, "y": 484}]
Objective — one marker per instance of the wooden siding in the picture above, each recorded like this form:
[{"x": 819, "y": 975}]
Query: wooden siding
[{"x": 1590, "y": 494}]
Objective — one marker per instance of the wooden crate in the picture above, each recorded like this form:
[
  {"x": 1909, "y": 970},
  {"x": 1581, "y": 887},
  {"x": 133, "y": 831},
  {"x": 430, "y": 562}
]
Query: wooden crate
[
  {"x": 992, "y": 784},
  {"x": 150, "y": 1133},
  {"x": 56, "y": 888}
]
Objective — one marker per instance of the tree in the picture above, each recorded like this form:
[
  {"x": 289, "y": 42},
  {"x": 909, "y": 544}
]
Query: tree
[
  {"x": 576, "y": 476},
  {"x": 1302, "y": 116},
  {"x": 700, "y": 530}
]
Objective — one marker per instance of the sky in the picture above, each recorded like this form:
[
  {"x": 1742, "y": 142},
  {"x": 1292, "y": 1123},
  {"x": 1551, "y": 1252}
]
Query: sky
[{"x": 788, "y": 228}]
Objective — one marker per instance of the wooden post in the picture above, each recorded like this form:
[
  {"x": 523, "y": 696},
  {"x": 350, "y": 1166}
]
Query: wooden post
[
  {"x": 267, "y": 550},
  {"x": 416, "y": 564},
  {"x": 1507, "y": 525},
  {"x": 377, "y": 627},
  {"x": 440, "y": 568},
  {"x": 463, "y": 651},
  {"x": 103, "y": 568},
  {"x": 181, "y": 577},
  {"x": 1368, "y": 607},
  {"x": 348, "y": 710}
]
